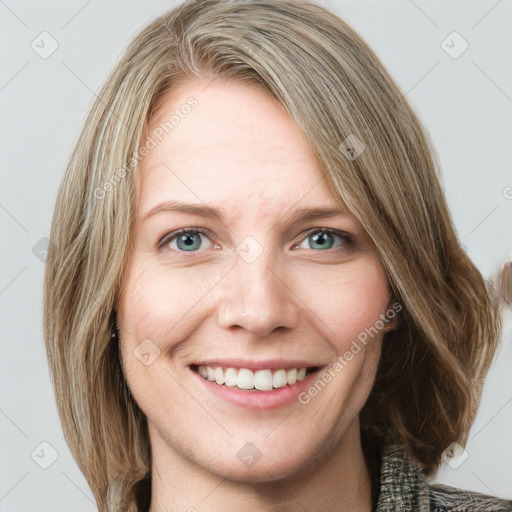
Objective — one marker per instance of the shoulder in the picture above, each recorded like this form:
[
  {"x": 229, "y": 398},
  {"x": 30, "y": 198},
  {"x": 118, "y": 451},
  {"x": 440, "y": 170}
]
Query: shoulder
[
  {"x": 404, "y": 487},
  {"x": 444, "y": 498}
]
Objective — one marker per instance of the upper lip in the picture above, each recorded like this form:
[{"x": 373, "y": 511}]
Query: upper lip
[{"x": 272, "y": 364}]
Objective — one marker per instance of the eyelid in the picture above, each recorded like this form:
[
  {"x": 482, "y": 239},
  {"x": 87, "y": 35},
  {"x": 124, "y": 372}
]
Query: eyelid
[
  {"x": 332, "y": 231},
  {"x": 166, "y": 239}
]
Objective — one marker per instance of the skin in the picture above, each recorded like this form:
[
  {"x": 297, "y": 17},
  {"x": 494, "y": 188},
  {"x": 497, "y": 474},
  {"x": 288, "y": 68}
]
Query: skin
[{"x": 239, "y": 151}]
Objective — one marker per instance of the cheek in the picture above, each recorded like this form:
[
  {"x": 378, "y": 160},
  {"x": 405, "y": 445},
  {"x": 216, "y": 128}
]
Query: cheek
[
  {"x": 349, "y": 316},
  {"x": 161, "y": 303},
  {"x": 159, "y": 308},
  {"x": 351, "y": 301}
]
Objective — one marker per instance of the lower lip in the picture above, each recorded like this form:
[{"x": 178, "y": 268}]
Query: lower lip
[{"x": 255, "y": 399}]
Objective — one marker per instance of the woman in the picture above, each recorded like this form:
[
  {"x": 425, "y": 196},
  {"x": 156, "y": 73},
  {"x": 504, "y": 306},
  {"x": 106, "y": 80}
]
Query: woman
[{"x": 254, "y": 296}]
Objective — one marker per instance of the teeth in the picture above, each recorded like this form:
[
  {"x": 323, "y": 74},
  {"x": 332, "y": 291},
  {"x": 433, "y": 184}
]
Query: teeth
[
  {"x": 279, "y": 379},
  {"x": 263, "y": 380},
  {"x": 231, "y": 377},
  {"x": 219, "y": 376},
  {"x": 291, "y": 376},
  {"x": 245, "y": 379}
]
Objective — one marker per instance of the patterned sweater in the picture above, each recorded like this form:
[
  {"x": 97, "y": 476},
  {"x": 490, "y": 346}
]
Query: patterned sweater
[{"x": 404, "y": 488}]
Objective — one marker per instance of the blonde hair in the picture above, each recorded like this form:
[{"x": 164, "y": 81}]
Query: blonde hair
[{"x": 430, "y": 376}]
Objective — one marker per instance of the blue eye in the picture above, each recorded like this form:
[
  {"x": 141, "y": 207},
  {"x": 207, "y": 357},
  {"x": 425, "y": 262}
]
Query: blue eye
[
  {"x": 325, "y": 239},
  {"x": 191, "y": 240},
  {"x": 186, "y": 240}
]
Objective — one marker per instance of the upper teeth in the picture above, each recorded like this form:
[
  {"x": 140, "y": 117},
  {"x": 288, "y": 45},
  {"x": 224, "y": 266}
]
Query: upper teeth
[{"x": 244, "y": 378}]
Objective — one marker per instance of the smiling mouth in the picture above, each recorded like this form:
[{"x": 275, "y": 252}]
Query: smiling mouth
[{"x": 247, "y": 379}]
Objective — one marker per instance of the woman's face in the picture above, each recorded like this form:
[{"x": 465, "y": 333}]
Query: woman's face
[{"x": 254, "y": 286}]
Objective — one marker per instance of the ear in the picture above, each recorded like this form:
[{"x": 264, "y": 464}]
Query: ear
[
  {"x": 392, "y": 325},
  {"x": 392, "y": 313}
]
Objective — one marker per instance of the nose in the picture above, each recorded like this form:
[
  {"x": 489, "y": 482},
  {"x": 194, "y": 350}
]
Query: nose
[{"x": 257, "y": 297}]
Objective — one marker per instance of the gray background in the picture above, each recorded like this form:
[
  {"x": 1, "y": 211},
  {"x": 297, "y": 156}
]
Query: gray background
[{"x": 464, "y": 102}]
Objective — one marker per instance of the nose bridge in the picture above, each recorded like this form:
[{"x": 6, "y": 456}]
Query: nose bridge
[{"x": 256, "y": 296}]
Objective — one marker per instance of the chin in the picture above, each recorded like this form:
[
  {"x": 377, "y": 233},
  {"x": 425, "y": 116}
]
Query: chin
[
  {"x": 250, "y": 459},
  {"x": 275, "y": 468}
]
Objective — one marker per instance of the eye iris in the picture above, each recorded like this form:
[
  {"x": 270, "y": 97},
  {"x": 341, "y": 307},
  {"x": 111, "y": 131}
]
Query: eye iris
[
  {"x": 190, "y": 242},
  {"x": 321, "y": 238}
]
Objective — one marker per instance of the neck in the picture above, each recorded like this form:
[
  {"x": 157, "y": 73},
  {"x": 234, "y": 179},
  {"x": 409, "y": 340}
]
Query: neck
[{"x": 339, "y": 479}]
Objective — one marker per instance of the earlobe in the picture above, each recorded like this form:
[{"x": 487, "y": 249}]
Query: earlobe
[
  {"x": 392, "y": 325},
  {"x": 392, "y": 318},
  {"x": 389, "y": 326}
]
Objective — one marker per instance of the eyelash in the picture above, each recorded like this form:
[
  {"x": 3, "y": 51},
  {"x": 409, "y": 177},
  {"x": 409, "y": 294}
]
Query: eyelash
[
  {"x": 166, "y": 239},
  {"x": 169, "y": 237}
]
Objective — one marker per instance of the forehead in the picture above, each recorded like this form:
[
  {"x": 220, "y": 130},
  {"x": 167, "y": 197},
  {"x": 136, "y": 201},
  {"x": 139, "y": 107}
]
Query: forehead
[{"x": 235, "y": 146}]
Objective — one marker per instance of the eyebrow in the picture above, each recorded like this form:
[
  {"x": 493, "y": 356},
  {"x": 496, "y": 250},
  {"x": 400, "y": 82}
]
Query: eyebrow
[{"x": 203, "y": 210}]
